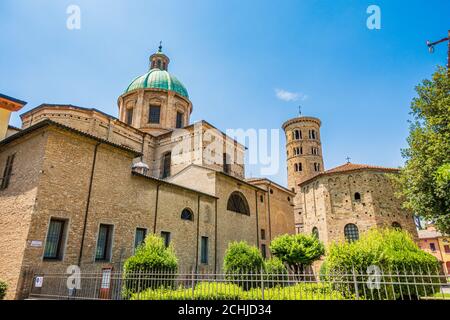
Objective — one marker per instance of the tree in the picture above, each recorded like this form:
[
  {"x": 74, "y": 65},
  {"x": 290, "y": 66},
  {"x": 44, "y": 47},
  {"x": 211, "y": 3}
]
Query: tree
[
  {"x": 151, "y": 256},
  {"x": 241, "y": 257},
  {"x": 394, "y": 253},
  {"x": 425, "y": 179},
  {"x": 297, "y": 251}
]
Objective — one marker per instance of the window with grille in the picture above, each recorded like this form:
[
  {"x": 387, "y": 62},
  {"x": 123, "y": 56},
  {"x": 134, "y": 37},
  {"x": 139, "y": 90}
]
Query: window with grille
[
  {"x": 179, "y": 121},
  {"x": 204, "y": 250},
  {"x": 351, "y": 232},
  {"x": 166, "y": 237},
  {"x": 315, "y": 232},
  {"x": 226, "y": 163},
  {"x": 263, "y": 234},
  {"x": 7, "y": 172},
  {"x": 104, "y": 243},
  {"x": 166, "y": 165},
  {"x": 187, "y": 214},
  {"x": 129, "y": 116},
  {"x": 55, "y": 240},
  {"x": 139, "y": 239},
  {"x": 396, "y": 225},
  {"x": 154, "y": 114},
  {"x": 264, "y": 251},
  {"x": 238, "y": 203}
]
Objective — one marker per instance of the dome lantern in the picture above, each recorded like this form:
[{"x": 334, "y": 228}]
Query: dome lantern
[{"x": 159, "y": 60}]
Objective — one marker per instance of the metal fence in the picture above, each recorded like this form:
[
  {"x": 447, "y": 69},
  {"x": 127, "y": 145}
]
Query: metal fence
[{"x": 166, "y": 285}]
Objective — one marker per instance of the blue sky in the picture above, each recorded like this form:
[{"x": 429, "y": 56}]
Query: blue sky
[{"x": 232, "y": 56}]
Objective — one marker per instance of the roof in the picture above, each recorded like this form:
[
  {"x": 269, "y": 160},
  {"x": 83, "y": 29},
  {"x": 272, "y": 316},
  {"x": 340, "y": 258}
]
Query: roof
[
  {"x": 10, "y": 103},
  {"x": 172, "y": 184},
  {"x": 351, "y": 167},
  {"x": 426, "y": 234},
  {"x": 270, "y": 182},
  {"x": 4, "y": 96},
  {"x": 47, "y": 122},
  {"x": 192, "y": 165},
  {"x": 158, "y": 79},
  {"x": 45, "y": 105}
]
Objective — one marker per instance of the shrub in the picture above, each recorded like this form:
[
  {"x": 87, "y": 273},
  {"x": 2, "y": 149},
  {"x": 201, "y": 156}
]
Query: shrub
[
  {"x": 276, "y": 273},
  {"x": 395, "y": 253},
  {"x": 297, "y": 251},
  {"x": 243, "y": 263},
  {"x": 151, "y": 257},
  {"x": 229, "y": 291},
  {"x": 3, "y": 288}
]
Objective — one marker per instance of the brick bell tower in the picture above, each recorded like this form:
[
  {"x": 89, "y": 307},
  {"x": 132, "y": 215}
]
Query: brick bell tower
[{"x": 304, "y": 157}]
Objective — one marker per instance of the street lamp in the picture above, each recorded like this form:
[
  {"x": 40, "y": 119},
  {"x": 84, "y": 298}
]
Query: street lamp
[{"x": 431, "y": 49}]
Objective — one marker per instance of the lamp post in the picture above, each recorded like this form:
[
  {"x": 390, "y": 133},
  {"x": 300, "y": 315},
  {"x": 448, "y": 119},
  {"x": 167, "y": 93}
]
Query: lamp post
[{"x": 431, "y": 49}]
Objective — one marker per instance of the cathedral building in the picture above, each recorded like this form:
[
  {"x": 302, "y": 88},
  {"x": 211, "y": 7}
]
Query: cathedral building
[
  {"x": 342, "y": 202},
  {"x": 81, "y": 187}
]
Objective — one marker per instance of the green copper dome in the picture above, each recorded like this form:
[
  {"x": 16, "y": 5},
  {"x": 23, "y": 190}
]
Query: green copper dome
[{"x": 158, "y": 79}]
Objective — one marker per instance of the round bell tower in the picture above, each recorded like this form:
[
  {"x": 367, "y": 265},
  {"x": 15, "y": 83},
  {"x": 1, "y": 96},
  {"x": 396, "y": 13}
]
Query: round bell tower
[{"x": 304, "y": 157}]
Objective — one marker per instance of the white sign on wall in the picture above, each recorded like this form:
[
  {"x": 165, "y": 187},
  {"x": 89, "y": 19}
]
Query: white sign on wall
[
  {"x": 36, "y": 243},
  {"x": 38, "y": 282}
]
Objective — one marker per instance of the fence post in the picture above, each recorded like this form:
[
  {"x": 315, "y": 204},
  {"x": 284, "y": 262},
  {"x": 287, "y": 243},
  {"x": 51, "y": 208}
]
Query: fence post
[
  {"x": 355, "y": 282},
  {"x": 262, "y": 284},
  {"x": 193, "y": 283}
]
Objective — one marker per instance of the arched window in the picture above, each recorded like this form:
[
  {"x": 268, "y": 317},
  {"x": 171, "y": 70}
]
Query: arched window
[
  {"x": 187, "y": 214},
  {"x": 295, "y": 167},
  {"x": 300, "y": 167},
  {"x": 351, "y": 232},
  {"x": 166, "y": 165},
  {"x": 357, "y": 196},
  {"x": 238, "y": 203},
  {"x": 396, "y": 225},
  {"x": 315, "y": 232},
  {"x": 297, "y": 134}
]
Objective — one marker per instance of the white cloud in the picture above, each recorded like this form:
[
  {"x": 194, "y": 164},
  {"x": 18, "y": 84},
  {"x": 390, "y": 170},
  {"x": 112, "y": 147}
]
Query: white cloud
[{"x": 290, "y": 96}]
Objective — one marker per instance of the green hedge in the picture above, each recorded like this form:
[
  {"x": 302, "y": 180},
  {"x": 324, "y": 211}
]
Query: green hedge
[
  {"x": 151, "y": 257},
  {"x": 230, "y": 291},
  {"x": 243, "y": 264},
  {"x": 395, "y": 253},
  {"x": 3, "y": 288}
]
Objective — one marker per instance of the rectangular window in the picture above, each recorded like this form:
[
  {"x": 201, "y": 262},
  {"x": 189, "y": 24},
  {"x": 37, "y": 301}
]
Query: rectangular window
[
  {"x": 154, "y": 114},
  {"x": 104, "y": 243},
  {"x": 447, "y": 248},
  {"x": 166, "y": 237},
  {"x": 263, "y": 251},
  {"x": 204, "y": 250},
  {"x": 55, "y": 240},
  {"x": 7, "y": 172},
  {"x": 129, "y": 116},
  {"x": 179, "y": 123},
  {"x": 139, "y": 239},
  {"x": 263, "y": 234},
  {"x": 226, "y": 164},
  {"x": 432, "y": 247}
]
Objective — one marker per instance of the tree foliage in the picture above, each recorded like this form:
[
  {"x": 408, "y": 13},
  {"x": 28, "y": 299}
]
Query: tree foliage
[
  {"x": 394, "y": 252},
  {"x": 241, "y": 257},
  {"x": 297, "y": 251},
  {"x": 425, "y": 180}
]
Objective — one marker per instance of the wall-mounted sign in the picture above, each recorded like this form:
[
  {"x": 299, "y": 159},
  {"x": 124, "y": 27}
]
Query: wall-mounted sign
[
  {"x": 36, "y": 243},
  {"x": 38, "y": 281}
]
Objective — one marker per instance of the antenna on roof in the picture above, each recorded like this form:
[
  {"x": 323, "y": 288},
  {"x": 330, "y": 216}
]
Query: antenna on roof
[{"x": 348, "y": 159}]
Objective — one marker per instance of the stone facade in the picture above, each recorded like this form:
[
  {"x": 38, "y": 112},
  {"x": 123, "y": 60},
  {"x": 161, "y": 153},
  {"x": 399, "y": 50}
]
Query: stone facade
[
  {"x": 65, "y": 174},
  {"x": 359, "y": 195}
]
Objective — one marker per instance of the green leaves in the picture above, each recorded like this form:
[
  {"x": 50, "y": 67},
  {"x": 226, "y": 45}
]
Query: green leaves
[
  {"x": 424, "y": 181},
  {"x": 241, "y": 257},
  {"x": 297, "y": 250}
]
